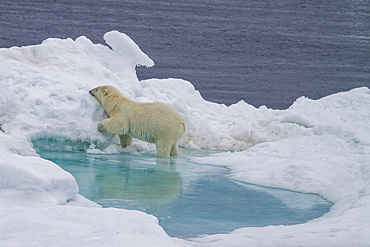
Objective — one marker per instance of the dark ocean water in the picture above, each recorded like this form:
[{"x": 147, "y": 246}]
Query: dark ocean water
[{"x": 263, "y": 52}]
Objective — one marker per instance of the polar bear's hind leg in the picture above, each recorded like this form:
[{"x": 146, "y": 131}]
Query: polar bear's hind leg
[
  {"x": 163, "y": 148},
  {"x": 174, "y": 150}
]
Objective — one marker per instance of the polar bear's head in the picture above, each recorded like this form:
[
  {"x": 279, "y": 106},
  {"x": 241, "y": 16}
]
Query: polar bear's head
[
  {"x": 103, "y": 93},
  {"x": 108, "y": 96}
]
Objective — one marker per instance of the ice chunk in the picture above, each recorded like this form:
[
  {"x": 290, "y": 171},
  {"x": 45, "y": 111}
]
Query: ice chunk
[{"x": 125, "y": 46}]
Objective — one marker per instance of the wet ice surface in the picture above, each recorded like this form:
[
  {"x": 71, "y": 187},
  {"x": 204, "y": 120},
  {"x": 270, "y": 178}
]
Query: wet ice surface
[{"x": 188, "y": 199}]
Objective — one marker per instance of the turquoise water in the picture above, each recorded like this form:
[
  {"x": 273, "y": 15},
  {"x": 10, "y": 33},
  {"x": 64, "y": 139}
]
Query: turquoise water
[{"x": 188, "y": 199}]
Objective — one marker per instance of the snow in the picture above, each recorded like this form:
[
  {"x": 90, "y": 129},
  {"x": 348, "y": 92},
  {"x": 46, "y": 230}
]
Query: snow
[{"x": 316, "y": 146}]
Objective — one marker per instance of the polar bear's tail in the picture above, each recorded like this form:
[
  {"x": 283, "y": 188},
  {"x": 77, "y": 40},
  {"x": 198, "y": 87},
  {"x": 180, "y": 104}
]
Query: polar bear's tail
[
  {"x": 181, "y": 131},
  {"x": 183, "y": 125}
]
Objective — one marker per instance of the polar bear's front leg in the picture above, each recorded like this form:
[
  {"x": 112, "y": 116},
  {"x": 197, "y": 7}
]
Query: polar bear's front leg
[
  {"x": 112, "y": 126},
  {"x": 104, "y": 125},
  {"x": 125, "y": 140}
]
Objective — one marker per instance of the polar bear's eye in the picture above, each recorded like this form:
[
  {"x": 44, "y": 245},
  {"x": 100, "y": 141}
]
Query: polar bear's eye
[{"x": 105, "y": 92}]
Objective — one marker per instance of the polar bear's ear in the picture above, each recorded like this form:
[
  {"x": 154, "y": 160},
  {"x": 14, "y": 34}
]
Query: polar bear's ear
[{"x": 105, "y": 92}]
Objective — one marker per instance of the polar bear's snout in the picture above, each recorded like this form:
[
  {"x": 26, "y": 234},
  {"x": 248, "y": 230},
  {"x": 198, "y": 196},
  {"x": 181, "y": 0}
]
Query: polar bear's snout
[{"x": 93, "y": 91}]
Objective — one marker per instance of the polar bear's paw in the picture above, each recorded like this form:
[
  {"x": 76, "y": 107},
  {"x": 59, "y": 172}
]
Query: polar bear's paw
[{"x": 100, "y": 127}]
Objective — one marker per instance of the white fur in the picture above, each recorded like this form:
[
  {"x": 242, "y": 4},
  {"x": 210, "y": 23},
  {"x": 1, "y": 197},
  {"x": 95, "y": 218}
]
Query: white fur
[{"x": 153, "y": 122}]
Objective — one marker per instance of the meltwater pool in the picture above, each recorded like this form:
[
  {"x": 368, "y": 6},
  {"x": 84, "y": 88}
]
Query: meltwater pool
[{"x": 189, "y": 199}]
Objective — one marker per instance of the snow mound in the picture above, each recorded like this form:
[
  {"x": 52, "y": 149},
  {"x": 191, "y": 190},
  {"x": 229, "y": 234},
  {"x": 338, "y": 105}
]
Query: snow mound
[
  {"x": 47, "y": 99},
  {"x": 35, "y": 179}
]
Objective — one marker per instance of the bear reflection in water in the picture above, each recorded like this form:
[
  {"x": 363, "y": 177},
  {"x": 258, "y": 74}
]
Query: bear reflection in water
[
  {"x": 122, "y": 177},
  {"x": 155, "y": 185}
]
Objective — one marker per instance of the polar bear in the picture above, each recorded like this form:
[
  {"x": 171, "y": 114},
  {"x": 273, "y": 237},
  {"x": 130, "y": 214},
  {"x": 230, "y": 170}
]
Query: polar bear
[{"x": 153, "y": 122}]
